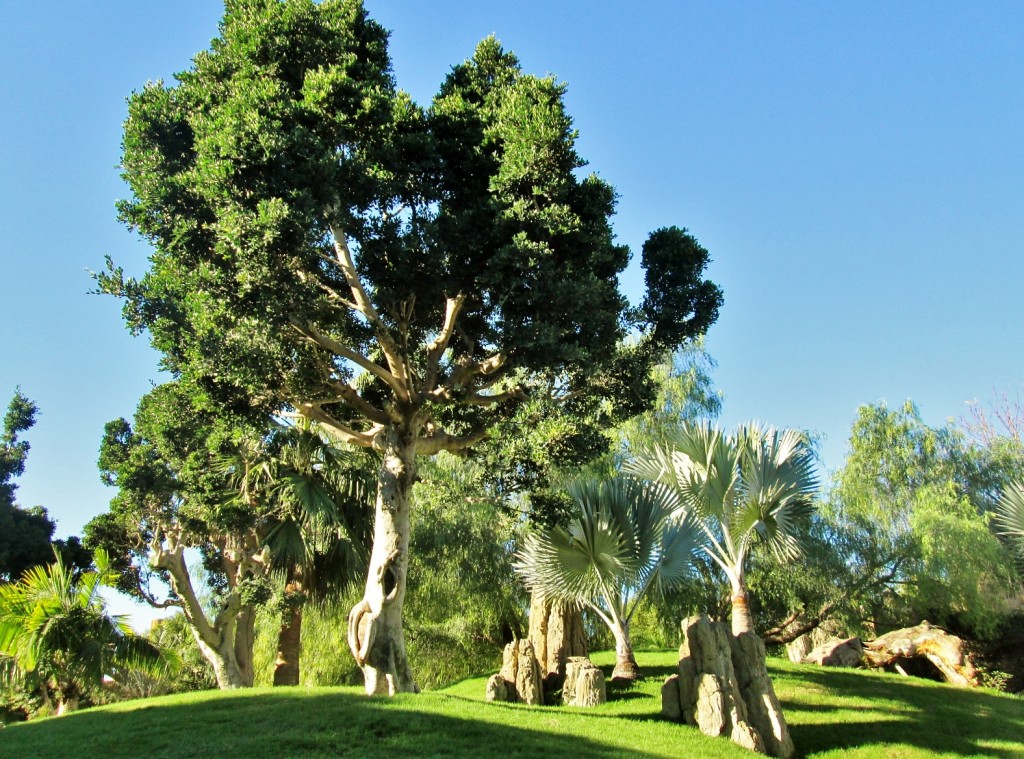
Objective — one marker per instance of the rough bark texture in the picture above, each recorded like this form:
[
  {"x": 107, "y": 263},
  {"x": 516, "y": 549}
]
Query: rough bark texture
[
  {"x": 375, "y": 623},
  {"x": 723, "y": 688},
  {"x": 556, "y": 632},
  {"x": 625, "y": 669},
  {"x": 519, "y": 680},
  {"x": 943, "y": 650},
  {"x": 584, "y": 683},
  {"x": 837, "y": 652},
  {"x": 289, "y": 636}
]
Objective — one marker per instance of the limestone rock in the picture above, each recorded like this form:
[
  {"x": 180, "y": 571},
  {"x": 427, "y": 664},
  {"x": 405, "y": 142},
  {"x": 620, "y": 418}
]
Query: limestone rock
[
  {"x": 722, "y": 687},
  {"x": 584, "y": 683},
  {"x": 799, "y": 649},
  {"x": 837, "y": 652},
  {"x": 556, "y": 632},
  {"x": 764, "y": 712},
  {"x": 496, "y": 689},
  {"x": 519, "y": 676}
]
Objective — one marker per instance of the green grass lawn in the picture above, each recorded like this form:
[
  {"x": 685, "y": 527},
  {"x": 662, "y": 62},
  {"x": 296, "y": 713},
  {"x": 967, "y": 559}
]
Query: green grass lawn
[{"x": 831, "y": 713}]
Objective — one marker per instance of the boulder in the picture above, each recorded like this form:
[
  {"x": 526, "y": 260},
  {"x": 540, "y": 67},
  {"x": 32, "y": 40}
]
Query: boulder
[
  {"x": 837, "y": 652},
  {"x": 584, "y": 683}
]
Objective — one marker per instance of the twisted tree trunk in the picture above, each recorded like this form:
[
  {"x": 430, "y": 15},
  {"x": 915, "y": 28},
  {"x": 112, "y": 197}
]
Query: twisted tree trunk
[{"x": 375, "y": 623}]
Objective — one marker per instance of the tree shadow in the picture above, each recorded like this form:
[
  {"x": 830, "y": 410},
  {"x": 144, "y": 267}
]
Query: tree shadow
[
  {"x": 933, "y": 717},
  {"x": 292, "y": 723}
]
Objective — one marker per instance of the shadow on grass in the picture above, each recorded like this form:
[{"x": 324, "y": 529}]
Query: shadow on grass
[
  {"x": 293, "y": 723},
  {"x": 932, "y": 717}
]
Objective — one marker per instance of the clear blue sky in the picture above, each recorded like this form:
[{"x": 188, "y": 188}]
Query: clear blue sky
[{"x": 856, "y": 170}]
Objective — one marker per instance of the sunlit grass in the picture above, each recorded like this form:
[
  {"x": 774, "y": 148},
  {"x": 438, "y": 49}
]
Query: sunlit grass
[{"x": 832, "y": 713}]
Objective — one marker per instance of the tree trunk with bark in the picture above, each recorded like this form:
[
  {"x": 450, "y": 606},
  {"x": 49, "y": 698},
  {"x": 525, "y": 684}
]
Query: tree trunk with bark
[
  {"x": 741, "y": 620},
  {"x": 289, "y": 636},
  {"x": 375, "y": 633},
  {"x": 625, "y": 662}
]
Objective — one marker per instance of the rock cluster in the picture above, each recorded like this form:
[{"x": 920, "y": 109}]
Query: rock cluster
[
  {"x": 519, "y": 680},
  {"x": 723, "y": 688}
]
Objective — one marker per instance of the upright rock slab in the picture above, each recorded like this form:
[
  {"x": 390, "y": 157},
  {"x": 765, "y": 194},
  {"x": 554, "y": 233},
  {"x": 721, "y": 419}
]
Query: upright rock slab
[
  {"x": 519, "y": 680},
  {"x": 723, "y": 689},
  {"x": 584, "y": 683},
  {"x": 556, "y": 632}
]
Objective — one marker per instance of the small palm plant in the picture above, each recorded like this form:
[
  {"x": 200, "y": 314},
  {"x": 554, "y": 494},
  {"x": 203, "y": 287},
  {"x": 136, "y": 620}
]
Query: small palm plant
[
  {"x": 56, "y": 634},
  {"x": 743, "y": 489},
  {"x": 1010, "y": 515},
  {"x": 624, "y": 542}
]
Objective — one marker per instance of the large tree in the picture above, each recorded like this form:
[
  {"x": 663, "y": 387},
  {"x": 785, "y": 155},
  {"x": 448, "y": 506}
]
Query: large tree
[{"x": 404, "y": 276}]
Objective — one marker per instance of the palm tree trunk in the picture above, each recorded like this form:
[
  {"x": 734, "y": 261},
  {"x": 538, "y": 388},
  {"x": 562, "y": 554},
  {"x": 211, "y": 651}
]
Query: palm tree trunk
[
  {"x": 741, "y": 621},
  {"x": 375, "y": 633},
  {"x": 625, "y": 663},
  {"x": 289, "y": 637}
]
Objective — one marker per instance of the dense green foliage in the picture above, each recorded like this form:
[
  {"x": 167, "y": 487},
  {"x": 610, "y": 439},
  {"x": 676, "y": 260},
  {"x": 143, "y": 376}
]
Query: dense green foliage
[
  {"x": 57, "y": 638},
  {"x": 909, "y": 515}
]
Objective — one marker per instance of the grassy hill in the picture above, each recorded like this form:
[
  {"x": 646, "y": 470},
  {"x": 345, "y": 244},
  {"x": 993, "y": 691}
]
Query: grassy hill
[{"x": 832, "y": 713}]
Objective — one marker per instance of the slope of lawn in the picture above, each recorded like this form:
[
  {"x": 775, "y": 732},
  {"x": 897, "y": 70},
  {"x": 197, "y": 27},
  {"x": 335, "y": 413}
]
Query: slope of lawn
[{"x": 832, "y": 713}]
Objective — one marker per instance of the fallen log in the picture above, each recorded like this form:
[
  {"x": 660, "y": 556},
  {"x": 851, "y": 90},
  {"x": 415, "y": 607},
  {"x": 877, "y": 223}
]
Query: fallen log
[{"x": 945, "y": 651}]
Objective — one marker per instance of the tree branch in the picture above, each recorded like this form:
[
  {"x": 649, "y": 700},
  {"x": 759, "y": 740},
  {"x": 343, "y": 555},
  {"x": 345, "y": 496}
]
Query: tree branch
[
  {"x": 436, "y": 441},
  {"x": 436, "y": 349},
  {"x": 332, "y": 345},
  {"x": 363, "y": 304},
  {"x": 343, "y": 431}
]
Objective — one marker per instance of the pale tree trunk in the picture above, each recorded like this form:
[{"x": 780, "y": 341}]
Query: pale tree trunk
[
  {"x": 245, "y": 638},
  {"x": 625, "y": 662},
  {"x": 741, "y": 620},
  {"x": 289, "y": 636},
  {"x": 218, "y": 641},
  {"x": 375, "y": 624}
]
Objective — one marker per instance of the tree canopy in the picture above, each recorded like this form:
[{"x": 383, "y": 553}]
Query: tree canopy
[{"x": 405, "y": 276}]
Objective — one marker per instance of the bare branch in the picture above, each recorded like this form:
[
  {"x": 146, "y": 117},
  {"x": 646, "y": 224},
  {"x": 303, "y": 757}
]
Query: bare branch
[
  {"x": 366, "y": 308},
  {"x": 436, "y": 441},
  {"x": 342, "y": 351},
  {"x": 346, "y": 433},
  {"x": 436, "y": 349}
]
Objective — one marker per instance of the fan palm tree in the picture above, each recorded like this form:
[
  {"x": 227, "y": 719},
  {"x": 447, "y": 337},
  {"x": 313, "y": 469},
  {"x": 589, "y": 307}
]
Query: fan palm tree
[
  {"x": 1010, "y": 515},
  {"x": 624, "y": 542},
  {"x": 747, "y": 488},
  {"x": 316, "y": 497},
  {"x": 55, "y": 632}
]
